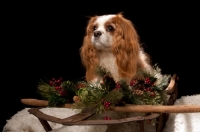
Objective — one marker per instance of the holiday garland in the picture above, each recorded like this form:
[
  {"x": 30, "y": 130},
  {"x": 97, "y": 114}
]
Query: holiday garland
[{"x": 147, "y": 88}]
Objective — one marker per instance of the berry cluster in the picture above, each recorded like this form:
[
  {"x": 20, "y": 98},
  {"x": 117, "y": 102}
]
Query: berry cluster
[
  {"x": 133, "y": 82},
  {"x": 80, "y": 85},
  {"x": 107, "y": 118},
  {"x": 147, "y": 81},
  {"x": 118, "y": 86},
  {"x": 138, "y": 92},
  {"x": 57, "y": 84},
  {"x": 150, "y": 91},
  {"x": 106, "y": 104}
]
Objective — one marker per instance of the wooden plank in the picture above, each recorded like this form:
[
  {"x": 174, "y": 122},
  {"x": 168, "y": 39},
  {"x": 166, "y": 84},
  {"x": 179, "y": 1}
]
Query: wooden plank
[
  {"x": 158, "y": 108},
  {"x": 82, "y": 121}
]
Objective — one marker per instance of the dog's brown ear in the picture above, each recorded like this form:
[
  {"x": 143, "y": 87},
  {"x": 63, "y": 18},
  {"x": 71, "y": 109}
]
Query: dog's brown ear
[
  {"x": 88, "y": 53},
  {"x": 127, "y": 48},
  {"x": 120, "y": 14},
  {"x": 89, "y": 28},
  {"x": 129, "y": 32}
]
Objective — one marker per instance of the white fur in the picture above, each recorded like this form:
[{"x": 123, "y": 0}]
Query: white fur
[
  {"x": 104, "y": 42},
  {"x": 101, "y": 20},
  {"x": 184, "y": 122},
  {"x": 144, "y": 60},
  {"x": 177, "y": 122},
  {"x": 107, "y": 60}
]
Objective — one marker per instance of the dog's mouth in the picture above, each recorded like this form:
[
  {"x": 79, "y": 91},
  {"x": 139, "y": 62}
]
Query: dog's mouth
[
  {"x": 103, "y": 43},
  {"x": 105, "y": 46},
  {"x": 99, "y": 44}
]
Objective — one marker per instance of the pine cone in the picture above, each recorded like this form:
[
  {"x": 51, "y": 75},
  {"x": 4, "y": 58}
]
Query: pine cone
[
  {"x": 108, "y": 80},
  {"x": 138, "y": 92}
]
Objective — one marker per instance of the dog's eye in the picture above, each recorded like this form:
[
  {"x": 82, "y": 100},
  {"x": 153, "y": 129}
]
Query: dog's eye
[
  {"x": 110, "y": 28},
  {"x": 95, "y": 28}
]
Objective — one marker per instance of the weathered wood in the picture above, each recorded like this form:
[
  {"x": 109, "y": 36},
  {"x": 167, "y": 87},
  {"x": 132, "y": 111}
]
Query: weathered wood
[
  {"x": 141, "y": 125},
  {"x": 158, "y": 108},
  {"x": 35, "y": 102},
  {"x": 160, "y": 122},
  {"x": 42, "y": 103},
  {"x": 45, "y": 124},
  {"x": 171, "y": 86},
  {"x": 82, "y": 121}
]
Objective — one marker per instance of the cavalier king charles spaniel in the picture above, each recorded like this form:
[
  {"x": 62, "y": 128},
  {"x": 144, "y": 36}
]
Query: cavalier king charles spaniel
[{"x": 112, "y": 42}]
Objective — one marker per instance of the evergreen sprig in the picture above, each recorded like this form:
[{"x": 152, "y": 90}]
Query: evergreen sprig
[
  {"x": 147, "y": 88},
  {"x": 57, "y": 92}
]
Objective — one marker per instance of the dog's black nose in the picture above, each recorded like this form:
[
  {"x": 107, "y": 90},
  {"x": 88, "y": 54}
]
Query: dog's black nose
[{"x": 97, "y": 33}]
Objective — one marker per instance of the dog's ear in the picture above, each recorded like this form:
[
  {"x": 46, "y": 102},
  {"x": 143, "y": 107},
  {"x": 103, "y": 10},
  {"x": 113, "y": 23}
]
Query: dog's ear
[
  {"x": 88, "y": 53},
  {"x": 126, "y": 47},
  {"x": 90, "y": 26},
  {"x": 120, "y": 14},
  {"x": 129, "y": 33}
]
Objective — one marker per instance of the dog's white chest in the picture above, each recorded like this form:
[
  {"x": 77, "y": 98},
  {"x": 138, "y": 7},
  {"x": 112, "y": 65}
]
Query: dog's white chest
[{"x": 108, "y": 61}]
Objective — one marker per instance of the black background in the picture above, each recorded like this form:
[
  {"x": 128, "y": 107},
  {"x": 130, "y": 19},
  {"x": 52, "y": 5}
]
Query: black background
[{"x": 42, "y": 40}]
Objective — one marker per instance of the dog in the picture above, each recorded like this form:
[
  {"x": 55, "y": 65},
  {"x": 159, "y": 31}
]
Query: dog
[{"x": 111, "y": 41}]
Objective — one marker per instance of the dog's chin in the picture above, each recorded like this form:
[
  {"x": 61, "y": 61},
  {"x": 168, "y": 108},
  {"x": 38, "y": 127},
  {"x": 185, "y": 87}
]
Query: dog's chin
[{"x": 102, "y": 46}]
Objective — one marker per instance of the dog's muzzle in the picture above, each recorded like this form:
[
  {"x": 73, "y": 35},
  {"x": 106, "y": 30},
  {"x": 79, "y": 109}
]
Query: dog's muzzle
[{"x": 97, "y": 33}]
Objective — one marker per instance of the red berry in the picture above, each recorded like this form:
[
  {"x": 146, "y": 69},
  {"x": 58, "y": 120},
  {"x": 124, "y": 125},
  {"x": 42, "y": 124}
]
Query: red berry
[
  {"x": 50, "y": 82},
  {"x": 132, "y": 82},
  {"x": 147, "y": 80},
  {"x": 106, "y": 104},
  {"x": 105, "y": 117},
  {"x": 57, "y": 88},
  {"x": 58, "y": 81},
  {"x": 62, "y": 92},
  {"x": 108, "y": 118},
  {"x": 152, "y": 94},
  {"x": 117, "y": 85},
  {"x": 148, "y": 89}
]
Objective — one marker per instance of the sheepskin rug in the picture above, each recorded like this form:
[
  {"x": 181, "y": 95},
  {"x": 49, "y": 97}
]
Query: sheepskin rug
[
  {"x": 177, "y": 122},
  {"x": 184, "y": 122}
]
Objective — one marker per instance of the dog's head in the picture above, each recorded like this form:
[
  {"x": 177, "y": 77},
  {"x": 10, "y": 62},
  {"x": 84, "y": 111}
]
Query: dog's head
[
  {"x": 115, "y": 34},
  {"x": 106, "y": 30}
]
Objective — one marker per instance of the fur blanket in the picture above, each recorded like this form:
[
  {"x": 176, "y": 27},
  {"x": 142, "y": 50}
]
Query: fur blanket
[
  {"x": 177, "y": 122},
  {"x": 184, "y": 122}
]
